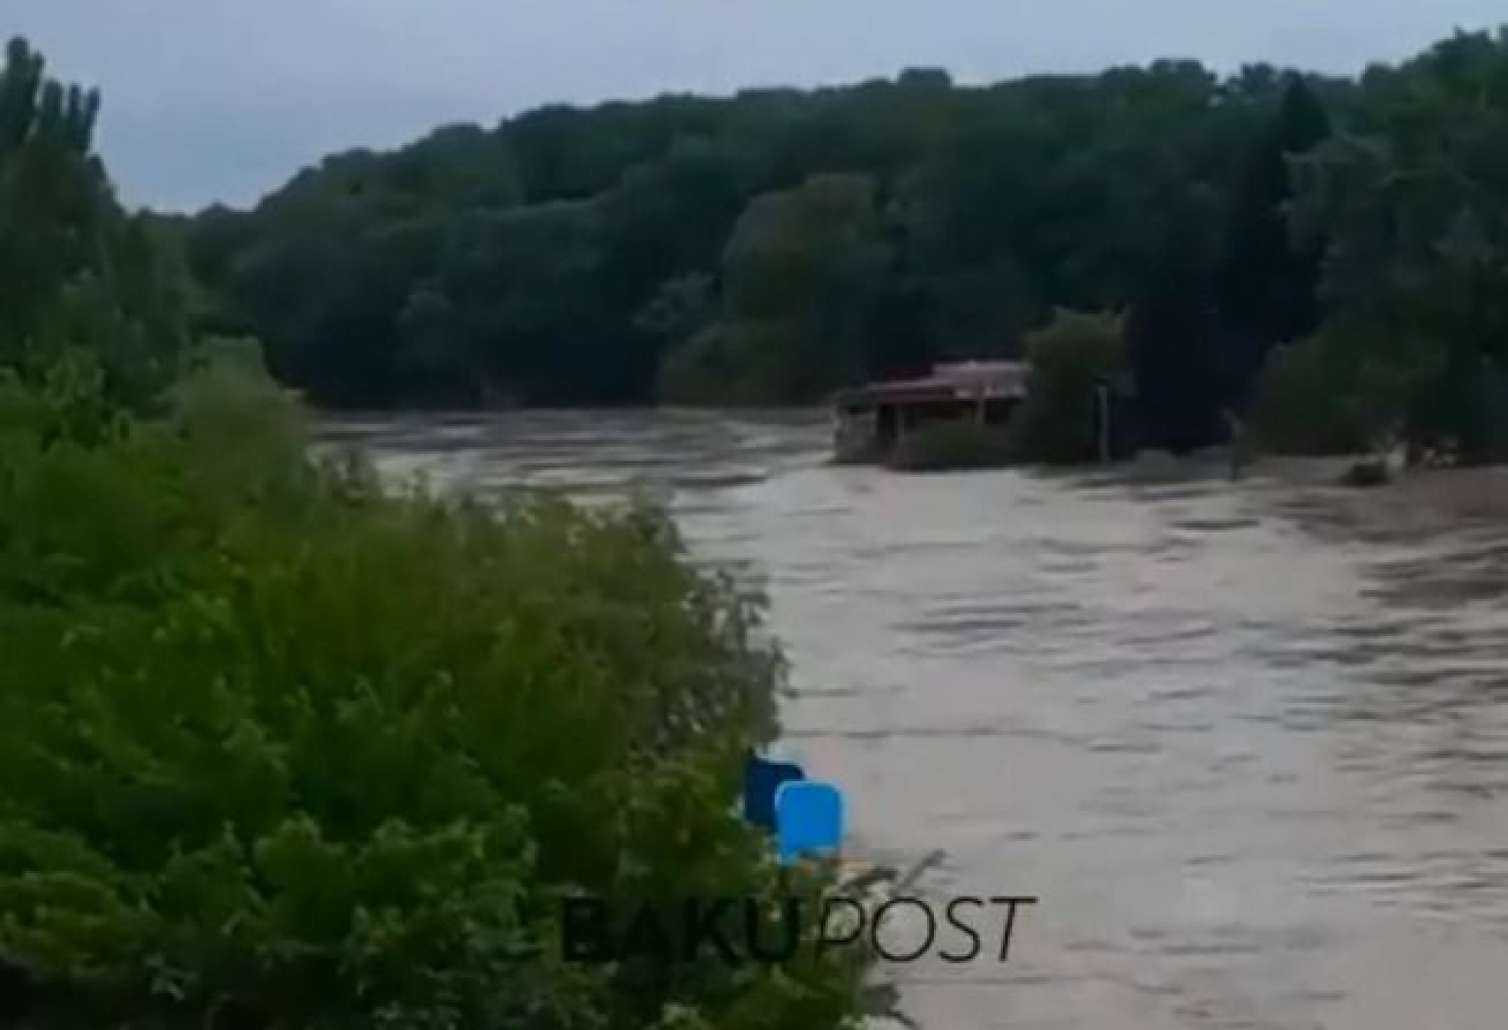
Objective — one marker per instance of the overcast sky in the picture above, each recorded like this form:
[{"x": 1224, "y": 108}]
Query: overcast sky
[{"x": 223, "y": 100}]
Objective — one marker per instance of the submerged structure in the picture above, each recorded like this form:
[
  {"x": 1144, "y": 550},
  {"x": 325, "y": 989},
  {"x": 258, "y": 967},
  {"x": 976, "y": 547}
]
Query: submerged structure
[{"x": 870, "y": 421}]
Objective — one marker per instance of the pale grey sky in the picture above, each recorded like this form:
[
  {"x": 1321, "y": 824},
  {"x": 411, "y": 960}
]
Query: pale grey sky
[{"x": 217, "y": 100}]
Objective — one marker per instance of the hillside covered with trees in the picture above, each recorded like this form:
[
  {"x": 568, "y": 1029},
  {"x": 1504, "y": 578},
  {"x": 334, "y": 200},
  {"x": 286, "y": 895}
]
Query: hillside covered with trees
[{"x": 768, "y": 247}]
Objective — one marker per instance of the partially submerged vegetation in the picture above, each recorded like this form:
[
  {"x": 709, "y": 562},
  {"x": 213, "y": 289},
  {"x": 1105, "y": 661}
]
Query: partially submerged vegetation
[
  {"x": 1078, "y": 368},
  {"x": 1074, "y": 394},
  {"x": 953, "y": 444},
  {"x": 1412, "y": 205},
  {"x": 282, "y": 749}
]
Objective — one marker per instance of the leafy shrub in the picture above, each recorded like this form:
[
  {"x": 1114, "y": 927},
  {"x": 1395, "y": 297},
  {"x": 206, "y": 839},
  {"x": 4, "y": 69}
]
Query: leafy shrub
[
  {"x": 1356, "y": 387},
  {"x": 952, "y": 444},
  {"x": 1337, "y": 393},
  {"x": 279, "y": 750},
  {"x": 702, "y": 370},
  {"x": 1071, "y": 358},
  {"x": 745, "y": 362}
]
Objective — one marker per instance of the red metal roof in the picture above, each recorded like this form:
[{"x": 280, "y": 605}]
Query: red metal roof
[{"x": 961, "y": 381}]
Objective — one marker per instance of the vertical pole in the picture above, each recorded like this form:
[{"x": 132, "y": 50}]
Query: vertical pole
[{"x": 1104, "y": 398}]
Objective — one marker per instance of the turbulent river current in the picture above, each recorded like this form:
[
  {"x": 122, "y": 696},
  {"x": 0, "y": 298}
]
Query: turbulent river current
[{"x": 1247, "y": 743}]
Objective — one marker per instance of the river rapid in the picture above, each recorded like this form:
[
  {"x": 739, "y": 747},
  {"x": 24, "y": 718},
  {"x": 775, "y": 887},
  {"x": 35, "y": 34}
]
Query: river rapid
[{"x": 1247, "y": 743}]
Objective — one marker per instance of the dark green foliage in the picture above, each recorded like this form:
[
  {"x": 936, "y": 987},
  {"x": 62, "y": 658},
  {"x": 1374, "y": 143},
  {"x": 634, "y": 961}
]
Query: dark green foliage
[
  {"x": 1413, "y": 198},
  {"x": 681, "y": 248},
  {"x": 680, "y": 308},
  {"x": 1173, "y": 339},
  {"x": 281, "y": 749},
  {"x": 74, "y": 269},
  {"x": 796, "y": 271},
  {"x": 1336, "y": 393},
  {"x": 771, "y": 246},
  {"x": 1078, "y": 366},
  {"x": 533, "y": 261},
  {"x": 1267, "y": 282},
  {"x": 952, "y": 445},
  {"x": 276, "y": 749}
]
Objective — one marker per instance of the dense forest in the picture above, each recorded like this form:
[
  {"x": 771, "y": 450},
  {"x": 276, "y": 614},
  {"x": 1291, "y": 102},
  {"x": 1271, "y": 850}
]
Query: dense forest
[
  {"x": 763, "y": 248},
  {"x": 770, "y": 246}
]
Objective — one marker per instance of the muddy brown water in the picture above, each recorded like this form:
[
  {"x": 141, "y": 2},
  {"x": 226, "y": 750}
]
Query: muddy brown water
[{"x": 1248, "y": 745}]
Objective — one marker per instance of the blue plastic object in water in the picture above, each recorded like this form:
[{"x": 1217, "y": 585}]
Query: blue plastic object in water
[
  {"x": 761, "y": 780},
  {"x": 808, "y": 818}
]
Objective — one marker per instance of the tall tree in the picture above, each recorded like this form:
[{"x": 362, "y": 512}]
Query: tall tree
[
  {"x": 1267, "y": 281},
  {"x": 800, "y": 272},
  {"x": 73, "y": 266},
  {"x": 1172, "y": 337},
  {"x": 1414, "y": 201}
]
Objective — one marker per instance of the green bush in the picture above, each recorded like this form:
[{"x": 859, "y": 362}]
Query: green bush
[
  {"x": 1355, "y": 389},
  {"x": 1071, "y": 358},
  {"x": 1336, "y": 393},
  {"x": 952, "y": 444},
  {"x": 278, "y": 750}
]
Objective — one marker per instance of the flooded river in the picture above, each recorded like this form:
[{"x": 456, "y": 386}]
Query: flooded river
[{"x": 1249, "y": 747}]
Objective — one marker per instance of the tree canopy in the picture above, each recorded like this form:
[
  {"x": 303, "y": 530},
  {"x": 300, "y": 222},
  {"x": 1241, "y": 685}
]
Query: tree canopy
[
  {"x": 770, "y": 246},
  {"x": 80, "y": 280},
  {"x": 1413, "y": 199},
  {"x": 832, "y": 234}
]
